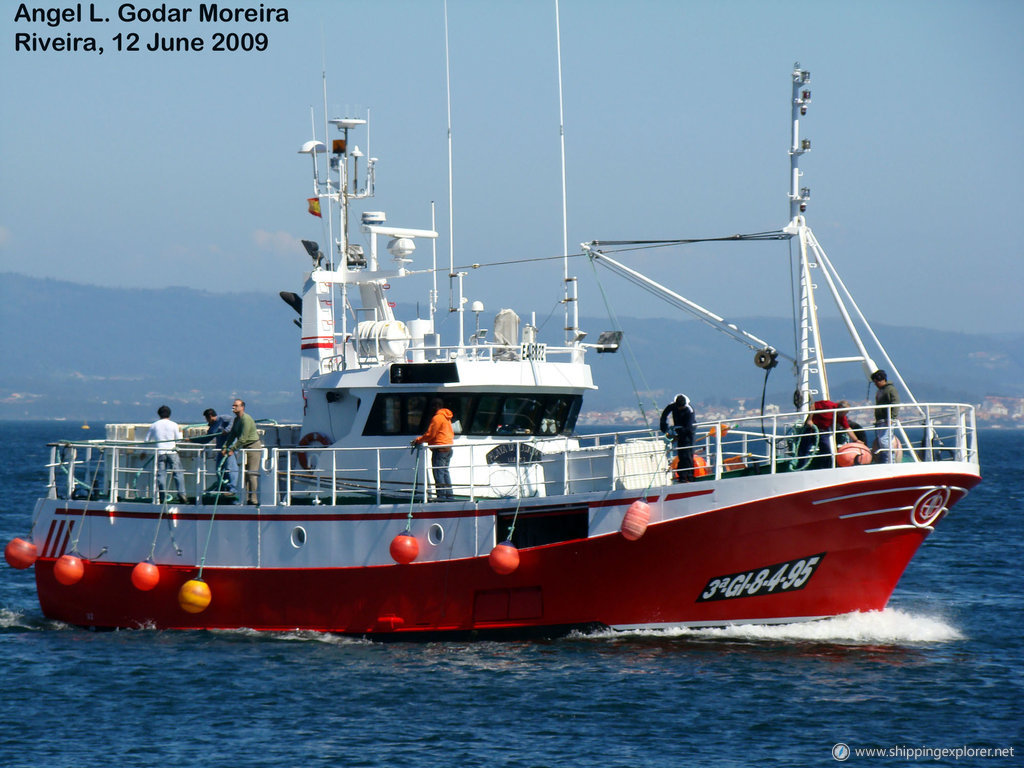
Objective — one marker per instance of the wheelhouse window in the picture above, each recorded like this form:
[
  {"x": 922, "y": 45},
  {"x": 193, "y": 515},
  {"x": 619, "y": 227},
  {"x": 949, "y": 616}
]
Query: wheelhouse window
[{"x": 483, "y": 413}]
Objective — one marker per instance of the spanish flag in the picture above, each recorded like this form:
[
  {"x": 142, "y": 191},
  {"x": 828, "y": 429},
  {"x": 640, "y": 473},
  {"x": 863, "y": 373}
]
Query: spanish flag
[{"x": 314, "y": 206}]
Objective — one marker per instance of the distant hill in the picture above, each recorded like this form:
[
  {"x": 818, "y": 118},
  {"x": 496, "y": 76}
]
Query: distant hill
[{"x": 105, "y": 354}]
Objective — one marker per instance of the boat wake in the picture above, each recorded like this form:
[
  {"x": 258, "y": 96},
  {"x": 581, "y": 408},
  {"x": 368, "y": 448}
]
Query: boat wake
[
  {"x": 888, "y": 627},
  {"x": 17, "y": 620}
]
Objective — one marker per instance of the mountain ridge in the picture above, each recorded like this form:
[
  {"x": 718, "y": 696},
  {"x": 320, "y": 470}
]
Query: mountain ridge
[{"x": 194, "y": 349}]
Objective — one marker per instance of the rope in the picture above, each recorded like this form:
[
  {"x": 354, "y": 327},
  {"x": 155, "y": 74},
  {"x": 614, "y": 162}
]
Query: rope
[
  {"x": 213, "y": 515},
  {"x": 764, "y": 390},
  {"x": 85, "y": 507},
  {"x": 412, "y": 496},
  {"x": 152, "y": 548},
  {"x": 519, "y": 495},
  {"x": 799, "y": 462}
]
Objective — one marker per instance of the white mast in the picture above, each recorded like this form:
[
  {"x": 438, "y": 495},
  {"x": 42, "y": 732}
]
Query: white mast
[
  {"x": 569, "y": 297},
  {"x": 452, "y": 275},
  {"x": 801, "y": 98},
  {"x": 809, "y": 355},
  {"x": 812, "y": 361}
]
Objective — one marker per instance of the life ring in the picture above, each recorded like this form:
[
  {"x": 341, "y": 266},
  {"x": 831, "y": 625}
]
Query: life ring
[{"x": 312, "y": 437}]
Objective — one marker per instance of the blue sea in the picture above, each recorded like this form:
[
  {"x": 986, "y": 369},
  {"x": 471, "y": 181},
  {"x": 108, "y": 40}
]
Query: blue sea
[{"x": 939, "y": 669}]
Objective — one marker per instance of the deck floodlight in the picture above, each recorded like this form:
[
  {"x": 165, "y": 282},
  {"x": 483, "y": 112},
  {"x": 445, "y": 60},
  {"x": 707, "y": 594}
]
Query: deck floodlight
[
  {"x": 313, "y": 249},
  {"x": 805, "y": 145},
  {"x": 609, "y": 341}
]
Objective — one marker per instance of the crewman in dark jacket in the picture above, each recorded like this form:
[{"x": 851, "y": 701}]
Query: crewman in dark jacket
[{"x": 684, "y": 421}]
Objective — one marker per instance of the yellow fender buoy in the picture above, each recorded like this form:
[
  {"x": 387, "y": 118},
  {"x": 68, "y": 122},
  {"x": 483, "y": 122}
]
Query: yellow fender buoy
[{"x": 194, "y": 596}]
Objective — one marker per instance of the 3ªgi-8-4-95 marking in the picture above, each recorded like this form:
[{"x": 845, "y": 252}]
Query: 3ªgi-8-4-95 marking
[
  {"x": 220, "y": 42},
  {"x": 781, "y": 577}
]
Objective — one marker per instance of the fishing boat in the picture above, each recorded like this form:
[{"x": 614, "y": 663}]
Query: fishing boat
[{"x": 531, "y": 527}]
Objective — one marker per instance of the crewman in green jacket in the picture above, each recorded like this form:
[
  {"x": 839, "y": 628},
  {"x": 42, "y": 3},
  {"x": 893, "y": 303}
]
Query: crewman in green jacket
[{"x": 243, "y": 436}]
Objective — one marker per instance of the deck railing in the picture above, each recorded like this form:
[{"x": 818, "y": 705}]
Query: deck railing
[
  {"x": 353, "y": 354},
  {"x": 482, "y": 468}
]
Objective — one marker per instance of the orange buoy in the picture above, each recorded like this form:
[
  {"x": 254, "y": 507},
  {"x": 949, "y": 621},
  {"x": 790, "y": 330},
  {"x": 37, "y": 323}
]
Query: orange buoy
[
  {"x": 733, "y": 463},
  {"x": 145, "y": 576},
  {"x": 404, "y": 548},
  {"x": 700, "y": 466},
  {"x": 853, "y": 453},
  {"x": 194, "y": 596},
  {"x": 504, "y": 558},
  {"x": 68, "y": 569},
  {"x": 635, "y": 521},
  {"x": 20, "y": 553}
]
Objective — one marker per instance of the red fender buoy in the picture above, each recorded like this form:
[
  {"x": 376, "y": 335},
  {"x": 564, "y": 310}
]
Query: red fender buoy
[
  {"x": 20, "y": 553},
  {"x": 194, "y": 596},
  {"x": 404, "y": 548},
  {"x": 634, "y": 522},
  {"x": 145, "y": 576},
  {"x": 850, "y": 454},
  {"x": 68, "y": 569},
  {"x": 504, "y": 558}
]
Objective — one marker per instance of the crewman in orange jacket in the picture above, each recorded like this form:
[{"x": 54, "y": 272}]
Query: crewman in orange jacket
[{"x": 440, "y": 436}]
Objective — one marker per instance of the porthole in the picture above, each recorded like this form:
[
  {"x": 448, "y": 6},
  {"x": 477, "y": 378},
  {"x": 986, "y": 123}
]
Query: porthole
[
  {"x": 435, "y": 534},
  {"x": 298, "y": 536}
]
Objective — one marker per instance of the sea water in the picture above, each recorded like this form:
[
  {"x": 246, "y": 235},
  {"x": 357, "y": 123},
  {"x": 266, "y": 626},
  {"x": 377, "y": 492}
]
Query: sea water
[{"x": 935, "y": 678}]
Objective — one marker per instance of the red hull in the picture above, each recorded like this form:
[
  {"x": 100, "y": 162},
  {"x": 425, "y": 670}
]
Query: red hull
[{"x": 674, "y": 575}]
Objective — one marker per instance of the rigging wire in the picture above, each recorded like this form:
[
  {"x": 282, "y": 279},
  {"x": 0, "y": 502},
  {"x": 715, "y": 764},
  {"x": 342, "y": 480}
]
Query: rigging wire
[
  {"x": 641, "y": 245},
  {"x": 629, "y": 351},
  {"x": 775, "y": 234}
]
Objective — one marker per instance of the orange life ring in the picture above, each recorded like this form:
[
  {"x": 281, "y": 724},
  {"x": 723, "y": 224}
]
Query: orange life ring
[{"x": 312, "y": 437}]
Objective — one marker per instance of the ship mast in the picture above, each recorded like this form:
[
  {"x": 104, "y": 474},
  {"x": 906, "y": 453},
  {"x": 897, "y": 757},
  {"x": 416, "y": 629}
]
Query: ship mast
[
  {"x": 570, "y": 297},
  {"x": 812, "y": 363}
]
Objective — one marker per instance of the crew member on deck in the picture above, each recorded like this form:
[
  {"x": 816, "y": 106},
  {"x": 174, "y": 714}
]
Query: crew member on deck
[
  {"x": 165, "y": 433},
  {"x": 225, "y": 467},
  {"x": 684, "y": 420},
  {"x": 243, "y": 436},
  {"x": 819, "y": 426},
  {"x": 886, "y": 416},
  {"x": 440, "y": 436}
]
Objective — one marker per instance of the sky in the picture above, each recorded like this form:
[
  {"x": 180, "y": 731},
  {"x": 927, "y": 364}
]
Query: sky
[{"x": 180, "y": 168}]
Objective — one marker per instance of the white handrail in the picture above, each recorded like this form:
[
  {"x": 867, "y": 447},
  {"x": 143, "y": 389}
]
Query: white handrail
[{"x": 124, "y": 471}]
